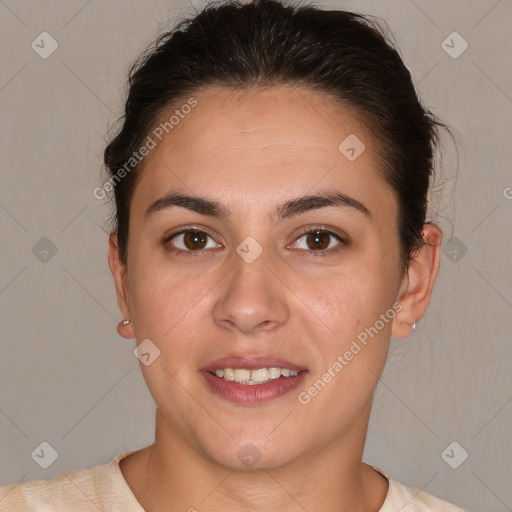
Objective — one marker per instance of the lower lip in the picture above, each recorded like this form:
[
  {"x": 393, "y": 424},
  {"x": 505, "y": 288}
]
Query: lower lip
[{"x": 253, "y": 393}]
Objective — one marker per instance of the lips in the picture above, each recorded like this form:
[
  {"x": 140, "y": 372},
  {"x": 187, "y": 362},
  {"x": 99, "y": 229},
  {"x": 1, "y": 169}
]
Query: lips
[
  {"x": 251, "y": 363},
  {"x": 250, "y": 393}
]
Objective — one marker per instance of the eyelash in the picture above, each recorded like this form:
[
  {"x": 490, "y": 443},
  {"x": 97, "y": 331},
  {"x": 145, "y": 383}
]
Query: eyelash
[{"x": 306, "y": 231}]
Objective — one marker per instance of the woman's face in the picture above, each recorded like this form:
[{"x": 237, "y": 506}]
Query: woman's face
[{"x": 252, "y": 286}]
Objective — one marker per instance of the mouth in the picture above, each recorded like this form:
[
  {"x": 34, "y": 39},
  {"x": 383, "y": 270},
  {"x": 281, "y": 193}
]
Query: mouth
[
  {"x": 252, "y": 380},
  {"x": 253, "y": 377}
]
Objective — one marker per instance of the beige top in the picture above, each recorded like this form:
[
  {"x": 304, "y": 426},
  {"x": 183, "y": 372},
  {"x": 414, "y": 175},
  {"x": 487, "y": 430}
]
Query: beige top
[{"x": 104, "y": 488}]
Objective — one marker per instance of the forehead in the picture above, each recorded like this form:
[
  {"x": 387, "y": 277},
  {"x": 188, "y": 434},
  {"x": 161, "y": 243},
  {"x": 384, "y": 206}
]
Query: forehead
[
  {"x": 261, "y": 118},
  {"x": 256, "y": 144}
]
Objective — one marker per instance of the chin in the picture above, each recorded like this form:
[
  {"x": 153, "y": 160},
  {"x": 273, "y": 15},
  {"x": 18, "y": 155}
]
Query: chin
[{"x": 248, "y": 455}]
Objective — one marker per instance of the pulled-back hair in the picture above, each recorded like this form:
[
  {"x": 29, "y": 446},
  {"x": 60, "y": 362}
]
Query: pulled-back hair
[{"x": 266, "y": 43}]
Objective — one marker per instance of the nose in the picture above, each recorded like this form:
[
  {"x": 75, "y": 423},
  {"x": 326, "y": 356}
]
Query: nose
[{"x": 253, "y": 298}]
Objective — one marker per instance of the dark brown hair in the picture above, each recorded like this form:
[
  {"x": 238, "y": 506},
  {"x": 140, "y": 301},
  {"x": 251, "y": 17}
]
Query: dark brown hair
[{"x": 265, "y": 43}]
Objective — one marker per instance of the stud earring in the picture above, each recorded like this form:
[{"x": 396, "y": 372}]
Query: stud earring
[
  {"x": 126, "y": 322},
  {"x": 413, "y": 326}
]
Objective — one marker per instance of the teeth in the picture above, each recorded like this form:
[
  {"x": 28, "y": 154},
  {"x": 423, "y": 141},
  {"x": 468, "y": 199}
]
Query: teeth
[
  {"x": 242, "y": 375},
  {"x": 259, "y": 376},
  {"x": 274, "y": 373},
  {"x": 229, "y": 374}
]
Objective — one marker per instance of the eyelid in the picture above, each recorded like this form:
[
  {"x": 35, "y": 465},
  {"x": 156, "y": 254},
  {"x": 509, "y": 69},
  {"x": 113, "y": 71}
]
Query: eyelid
[
  {"x": 186, "y": 229},
  {"x": 324, "y": 229}
]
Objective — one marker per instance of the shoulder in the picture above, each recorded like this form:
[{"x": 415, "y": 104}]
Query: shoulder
[
  {"x": 98, "y": 488},
  {"x": 75, "y": 487},
  {"x": 408, "y": 499}
]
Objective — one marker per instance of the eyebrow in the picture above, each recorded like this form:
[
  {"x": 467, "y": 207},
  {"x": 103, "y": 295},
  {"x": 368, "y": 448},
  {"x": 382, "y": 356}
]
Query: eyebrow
[{"x": 290, "y": 208}]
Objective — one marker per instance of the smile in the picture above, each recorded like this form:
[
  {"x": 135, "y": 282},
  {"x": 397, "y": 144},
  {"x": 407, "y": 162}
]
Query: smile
[{"x": 254, "y": 377}]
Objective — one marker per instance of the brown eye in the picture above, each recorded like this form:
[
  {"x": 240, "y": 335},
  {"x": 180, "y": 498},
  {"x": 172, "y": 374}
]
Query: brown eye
[
  {"x": 189, "y": 241},
  {"x": 194, "y": 240},
  {"x": 319, "y": 241}
]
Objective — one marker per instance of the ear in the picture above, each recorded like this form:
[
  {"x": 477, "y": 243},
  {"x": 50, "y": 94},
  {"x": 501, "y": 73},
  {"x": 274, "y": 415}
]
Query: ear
[
  {"x": 418, "y": 284},
  {"x": 119, "y": 272}
]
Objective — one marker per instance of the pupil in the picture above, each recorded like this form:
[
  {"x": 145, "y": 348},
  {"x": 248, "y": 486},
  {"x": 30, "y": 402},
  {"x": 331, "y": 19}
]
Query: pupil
[
  {"x": 196, "y": 237},
  {"x": 317, "y": 237}
]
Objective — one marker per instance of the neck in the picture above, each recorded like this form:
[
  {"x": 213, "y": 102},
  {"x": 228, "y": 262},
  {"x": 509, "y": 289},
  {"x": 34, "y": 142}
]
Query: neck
[{"x": 173, "y": 475}]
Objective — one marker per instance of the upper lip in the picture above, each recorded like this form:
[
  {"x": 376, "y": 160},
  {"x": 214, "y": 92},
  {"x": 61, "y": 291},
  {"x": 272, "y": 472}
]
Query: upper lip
[{"x": 251, "y": 362}]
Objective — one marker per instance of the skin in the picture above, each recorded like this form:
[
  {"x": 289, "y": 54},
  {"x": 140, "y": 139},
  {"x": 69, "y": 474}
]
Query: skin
[{"x": 251, "y": 151}]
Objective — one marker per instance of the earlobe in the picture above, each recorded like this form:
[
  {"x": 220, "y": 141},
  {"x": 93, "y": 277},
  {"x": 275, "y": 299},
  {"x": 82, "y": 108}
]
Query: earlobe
[
  {"x": 417, "y": 286},
  {"x": 119, "y": 273},
  {"x": 125, "y": 330}
]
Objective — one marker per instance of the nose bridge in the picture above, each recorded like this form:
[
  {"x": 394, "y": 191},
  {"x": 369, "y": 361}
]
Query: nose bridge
[
  {"x": 251, "y": 272},
  {"x": 252, "y": 297}
]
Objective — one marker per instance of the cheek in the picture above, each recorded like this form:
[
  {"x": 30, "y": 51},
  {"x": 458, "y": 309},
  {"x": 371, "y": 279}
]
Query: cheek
[
  {"x": 168, "y": 310},
  {"x": 173, "y": 310},
  {"x": 352, "y": 339},
  {"x": 350, "y": 355},
  {"x": 164, "y": 299},
  {"x": 350, "y": 300}
]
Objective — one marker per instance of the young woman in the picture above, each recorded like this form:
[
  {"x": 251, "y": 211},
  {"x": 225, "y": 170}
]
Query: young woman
[{"x": 270, "y": 179}]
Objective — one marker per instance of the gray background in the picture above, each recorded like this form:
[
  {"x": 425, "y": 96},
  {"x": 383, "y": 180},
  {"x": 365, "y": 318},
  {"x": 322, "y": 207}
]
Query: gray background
[{"x": 70, "y": 380}]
